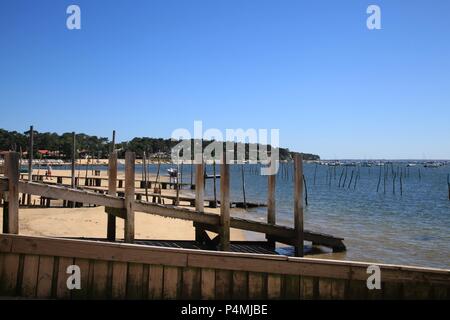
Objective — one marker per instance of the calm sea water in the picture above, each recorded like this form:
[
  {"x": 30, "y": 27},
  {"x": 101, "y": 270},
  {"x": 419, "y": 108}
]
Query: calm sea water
[{"x": 412, "y": 228}]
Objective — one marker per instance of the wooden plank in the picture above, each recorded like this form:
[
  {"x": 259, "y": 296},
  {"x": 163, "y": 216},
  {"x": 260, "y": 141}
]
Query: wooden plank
[
  {"x": 45, "y": 276},
  {"x": 87, "y": 279},
  {"x": 223, "y": 284},
  {"x": 119, "y": 280},
  {"x": 274, "y": 286},
  {"x": 74, "y": 195},
  {"x": 325, "y": 289},
  {"x": 298, "y": 204},
  {"x": 12, "y": 173},
  {"x": 392, "y": 290},
  {"x": 291, "y": 286},
  {"x": 191, "y": 288},
  {"x": 307, "y": 288},
  {"x": 9, "y": 273},
  {"x": 30, "y": 276},
  {"x": 112, "y": 191},
  {"x": 155, "y": 282},
  {"x": 416, "y": 291},
  {"x": 357, "y": 290},
  {"x": 99, "y": 251},
  {"x": 135, "y": 285},
  {"x": 257, "y": 286},
  {"x": 170, "y": 211},
  {"x": 338, "y": 289},
  {"x": 208, "y": 286},
  {"x": 171, "y": 284},
  {"x": 130, "y": 159},
  {"x": 224, "y": 231},
  {"x": 100, "y": 280},
  {"x": 62, "y": 292},
  {"x": 240, "y": 285}
]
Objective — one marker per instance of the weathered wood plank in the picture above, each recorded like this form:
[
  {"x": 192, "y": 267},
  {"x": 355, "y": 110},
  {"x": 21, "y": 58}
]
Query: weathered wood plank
[
  {"x": 171, "y": 286},
  {"x": 62, "y": 292},
  {"x": 191, "y": 288},
  {"x": 9, "y": 273},
  {"x": 86, "y": 268},
  {"x": 155, "y": 282},
  {"x": 257, "y": 286},
  {"x": 68, "y": 194},
  {"x": 98, "y": 251},
  {"x": 100, "y": 280},
  {"x": 223, "y": 284},
  {"x": 338, "y": 289},
  {"x": 30, "y": 276},
  {"x": 307, "y": 288},
  {"x": 240, "y": 285},
  {"x": 208, "y": 284},
  {"x": 274, "y": 286},
  {"x": 325, "y": 289},
  {"x": 45, "y": 277},
  {"x": 135, "y": 285},
  {"x": 291, "y": 286},
  {"x": 119, "y": 280}
]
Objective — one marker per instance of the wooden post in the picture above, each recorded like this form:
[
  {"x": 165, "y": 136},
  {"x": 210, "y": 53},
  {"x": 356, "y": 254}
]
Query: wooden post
[
  {"x": 224, "y": 228},
  {"x": 30, "y": 161},
  {"x": 271, "y": 204},
  {"x": 72, "y": 182},
  {"x": 113, "y": 143},
  {"x": 11, "y": 205},
  {"x": 243, "y": 186},
  {"x": 130, "y": 158},
  {"x": 199, "y": 196},
  {"x": 298, "y": 204},
  {"x": 112, "y": 190}
]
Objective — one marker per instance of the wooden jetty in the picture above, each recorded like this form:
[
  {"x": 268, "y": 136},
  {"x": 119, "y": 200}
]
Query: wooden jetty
[{"x": 36, "y": 266}]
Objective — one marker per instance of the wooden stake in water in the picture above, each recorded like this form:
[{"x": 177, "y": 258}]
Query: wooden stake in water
[
  {"x": 224, "y": 228},
  {"x": 243, "y": 185},
  {"x": 448, "y": 185},
  {"x": 298, "y": 205}
]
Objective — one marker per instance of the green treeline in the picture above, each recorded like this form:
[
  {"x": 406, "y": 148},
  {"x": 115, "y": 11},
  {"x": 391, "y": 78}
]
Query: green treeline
[{"x": 61, "y": 145}]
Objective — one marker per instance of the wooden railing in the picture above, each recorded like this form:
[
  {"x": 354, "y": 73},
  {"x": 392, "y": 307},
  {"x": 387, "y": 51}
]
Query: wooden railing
[
  {"x": 125, "y": 207},
  {"x": 35, "y": 267}
]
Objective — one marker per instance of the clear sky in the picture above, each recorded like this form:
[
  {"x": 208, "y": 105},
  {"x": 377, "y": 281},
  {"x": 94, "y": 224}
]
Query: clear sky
[{"x": 309, "y": 68}]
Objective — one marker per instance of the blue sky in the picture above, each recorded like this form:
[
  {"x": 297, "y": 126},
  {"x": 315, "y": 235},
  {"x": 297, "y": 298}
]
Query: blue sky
[{"x": 309, "y": 68}]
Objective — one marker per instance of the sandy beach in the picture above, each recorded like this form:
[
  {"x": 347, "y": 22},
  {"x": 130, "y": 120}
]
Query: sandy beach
[{"x": 92, "y": 222}]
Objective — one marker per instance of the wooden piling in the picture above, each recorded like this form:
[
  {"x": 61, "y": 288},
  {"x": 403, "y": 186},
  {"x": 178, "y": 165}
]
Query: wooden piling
[
  {"x": 199, "y": 196},
  {"x": 243, "y": 186},
  {"x": 215, "y": 182},
  {"x": 112, "y": 190},
  {"x": 298, "y": 204},
  {"x": 11, "y": 205},
  {"x": 224, "y": 228},
  {"x": 130, "y": 159},
  {"x": 271, "y": 203},
  {"x": 30, "y": 161}
]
